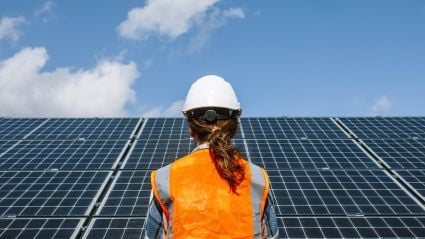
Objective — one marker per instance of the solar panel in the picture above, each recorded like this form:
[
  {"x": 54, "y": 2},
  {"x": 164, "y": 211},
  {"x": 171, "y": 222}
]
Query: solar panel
[
  {"x": 87, "y": 128},
  {"x": 399, "y": 153},
  {"x": 340, "y": 192},
  {"x": 49, "y": 193},
  {"x": 308, "y": 154},
  {"x": 325, "y": 184},
  {"x": 386, "y": 127},
  {"x": 39, "y": 228},
  {"x": 291, "y": 128},
  {"x": 117, "y": 228},
  {"x": 18, "y": 128},
  {"x": 351, "y": 227},
  {"x": 156, "y": 153},
  {"x": 63, "y": 154},
  {"x": 415, "y": 178},
  {"x": 128, "y": 195}
]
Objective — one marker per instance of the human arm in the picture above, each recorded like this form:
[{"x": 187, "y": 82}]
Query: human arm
[{"x": 154, "y": 220}]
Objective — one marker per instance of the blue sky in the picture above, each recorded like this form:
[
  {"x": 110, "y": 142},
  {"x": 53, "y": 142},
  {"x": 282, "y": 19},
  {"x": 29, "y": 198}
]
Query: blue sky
[{"x": 284, "y": 58}]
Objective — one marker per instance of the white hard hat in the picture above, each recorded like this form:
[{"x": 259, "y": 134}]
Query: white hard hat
[{"x": 211, "y": 91}]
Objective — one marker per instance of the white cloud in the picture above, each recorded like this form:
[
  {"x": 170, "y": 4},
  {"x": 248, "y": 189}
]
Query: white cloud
[
  {"x": 382, "y": 104},
  {"x": 174, "y": 110},
  {"x": 168, "y": 18},
  {"x": 45, "y": 8},
  {"x": 171, "y": 19},
  {"x": 234, "y": 12},
  {"x": 207, "y": 25},
  {"x": 9, "y": 27},
  {"x": 102, "y": 90}
]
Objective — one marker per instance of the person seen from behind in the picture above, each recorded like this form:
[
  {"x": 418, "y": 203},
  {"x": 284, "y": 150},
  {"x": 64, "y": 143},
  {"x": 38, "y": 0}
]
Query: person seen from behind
[{"x": 213, "y": 192}]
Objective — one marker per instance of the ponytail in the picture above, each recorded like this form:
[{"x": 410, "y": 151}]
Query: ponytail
[{"x": 226, "y": 156}]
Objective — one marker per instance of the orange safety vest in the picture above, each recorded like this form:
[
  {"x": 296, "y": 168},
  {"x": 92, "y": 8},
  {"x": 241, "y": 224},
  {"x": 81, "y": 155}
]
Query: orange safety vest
[{"x": 198, "y": 203}]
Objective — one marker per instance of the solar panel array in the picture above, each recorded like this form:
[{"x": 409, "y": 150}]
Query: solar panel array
[{"x": 330, "y": 177}]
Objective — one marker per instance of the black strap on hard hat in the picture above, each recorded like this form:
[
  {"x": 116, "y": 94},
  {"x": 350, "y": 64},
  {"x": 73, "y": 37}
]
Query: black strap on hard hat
[{"x": 212, "y": 115}]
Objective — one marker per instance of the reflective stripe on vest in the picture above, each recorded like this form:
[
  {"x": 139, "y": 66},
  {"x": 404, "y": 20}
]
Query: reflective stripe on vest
[
  {"x": 160, "y": 181},
  {"x": 259, "y": 189},
  {"x": 167, "y": 183}
]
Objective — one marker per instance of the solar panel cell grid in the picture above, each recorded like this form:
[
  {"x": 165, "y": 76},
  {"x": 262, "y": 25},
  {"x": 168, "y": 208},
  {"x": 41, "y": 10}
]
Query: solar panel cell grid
[
  {"x": 11, "y": 128},
  {"x": 129, "y": 195},
  {"x": 308, "y": 154},
  {"x": 386, "y": 128},
  {"x": 351, "y": 227},
  {"x": 399, "y": 153},
  {"x": 291, "y": 128},
  {"x": 49, "y": 193},
  {"x": 88, "y": 128},
  {"x": 340, "y": 192},
  {"x": 39, "y": 228},
  {"x": 117, "y": 228},
  {"x": 63, "y": 154},
  {"x": 165, "y": 128}
]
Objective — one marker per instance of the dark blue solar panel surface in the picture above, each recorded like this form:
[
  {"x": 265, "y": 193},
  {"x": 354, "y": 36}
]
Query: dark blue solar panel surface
[
  {"x": 291, "y": 128},
  {"x": 351, "y": 227},
  {"x": 275, "y": 154},
  {"x": 63, "y": 154},
  {"x": 399, "y": 153},
  {"x": 87, "y": 128},
  {"x": 386, "y": 127},
  {"x": 61, "y": 193},
  {"x": 39, "y": 228},
  {"x": 18, "y": 128},
  {"x": 129, "y": 195},
  {"x": 117, "y": 228},
  {"x": 340, "y": 192}
]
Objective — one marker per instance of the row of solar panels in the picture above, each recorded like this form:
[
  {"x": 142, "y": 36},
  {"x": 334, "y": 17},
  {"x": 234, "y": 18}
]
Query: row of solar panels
[
  {"x": 324, "y": 185},
  {"x": 175, "y": 128},
  {"x": 154, "y": 153},
  {"x": 296, "y": 192},
  {"x": 337, "y": 195}
]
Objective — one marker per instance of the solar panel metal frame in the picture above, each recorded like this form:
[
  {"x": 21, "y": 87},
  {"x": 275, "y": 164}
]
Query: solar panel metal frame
[
  {"x": 21, "y": 230},
  {"x": 412, "y": 185},
  {"x": 45, "y": 151}
]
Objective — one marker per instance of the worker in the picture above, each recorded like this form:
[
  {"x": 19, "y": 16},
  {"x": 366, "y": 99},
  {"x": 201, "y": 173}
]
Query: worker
[{"x": 212, "y": 192}]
